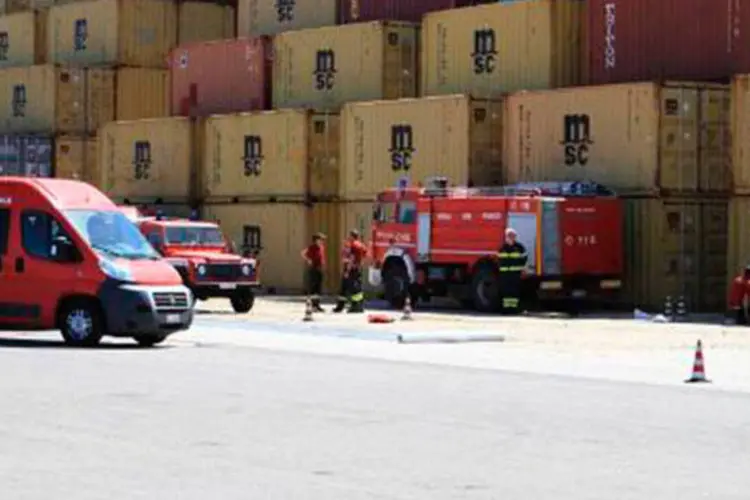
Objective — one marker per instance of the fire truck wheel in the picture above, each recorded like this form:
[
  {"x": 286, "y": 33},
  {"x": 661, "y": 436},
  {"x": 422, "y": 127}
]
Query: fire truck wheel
[
  {"x": 242, "y": 302},
  {"x": 81, "y": 323},
  {"x": 396, "y": 285},
  {"x": 485, "y": 289}
]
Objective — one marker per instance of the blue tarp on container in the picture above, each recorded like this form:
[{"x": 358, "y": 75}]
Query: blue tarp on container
[{"x": 26, "y": 155}]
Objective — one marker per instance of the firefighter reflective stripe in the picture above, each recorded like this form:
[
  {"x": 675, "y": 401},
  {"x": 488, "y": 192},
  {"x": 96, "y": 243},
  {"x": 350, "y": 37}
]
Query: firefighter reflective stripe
[
  {"x": 314, "y": 297},
  {"x": 508, "y": 269},
  {"x": 512, "y": 255},
  {"x": 358, "y": 297},
  {"x": 510, "y": 302},
  {"x": 342, "y": 297}
]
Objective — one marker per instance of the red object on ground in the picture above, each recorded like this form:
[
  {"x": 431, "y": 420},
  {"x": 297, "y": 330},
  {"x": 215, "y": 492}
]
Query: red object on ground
[
  {"x": 633, "y": 40},
  {"x": 738, "y": 290},
  {"x": 358, "y": 11},
  {"x": 224, "y": 76}
]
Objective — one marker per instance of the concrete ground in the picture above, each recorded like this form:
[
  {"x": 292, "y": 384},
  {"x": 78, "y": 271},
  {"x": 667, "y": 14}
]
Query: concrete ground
[{"x": 264, "y": 406}]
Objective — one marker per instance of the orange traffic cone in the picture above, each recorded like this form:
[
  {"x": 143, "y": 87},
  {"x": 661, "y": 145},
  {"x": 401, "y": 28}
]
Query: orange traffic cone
[
  {"x": 308, "y": 310},
  {"x": 699, "y": 370},
  {"x": 407, "y": 310}
]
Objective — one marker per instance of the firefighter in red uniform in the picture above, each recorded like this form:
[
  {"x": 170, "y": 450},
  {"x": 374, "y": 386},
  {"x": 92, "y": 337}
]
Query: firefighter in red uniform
[
  {"x": 354, "y": 254},
  {"x": 315, "y": 257},
  {"x": 738, "y": 294},
  {"x": 512, "y": 258}
]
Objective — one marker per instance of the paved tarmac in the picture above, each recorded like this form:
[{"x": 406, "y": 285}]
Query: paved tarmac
[{"x": 206, "y": 417}]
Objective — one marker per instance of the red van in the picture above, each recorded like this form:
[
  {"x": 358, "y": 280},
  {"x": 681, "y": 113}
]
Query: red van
[{"x": 71, "y": 260}]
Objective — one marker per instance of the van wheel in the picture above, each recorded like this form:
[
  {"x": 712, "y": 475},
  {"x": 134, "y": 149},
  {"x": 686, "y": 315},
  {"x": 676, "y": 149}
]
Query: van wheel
[
  {"x": 81, "y": 324},
  {"x": 485, "y": 289},
  {"x": 149, "y": 340},
  {"x": 242, "y": 302},
  {"x": 396, "y": 285}
]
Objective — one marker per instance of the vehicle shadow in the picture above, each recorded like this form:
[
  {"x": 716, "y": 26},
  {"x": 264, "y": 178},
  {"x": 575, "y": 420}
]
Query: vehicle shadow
[{"x": 30, "y": 343}]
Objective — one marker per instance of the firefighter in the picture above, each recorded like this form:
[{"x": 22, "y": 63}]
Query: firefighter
[
  {"x": 738, "y": 295},
  {"x": 512, "y": 258},
  {"x": 353, "y": 256},
  {"x": 314, "y": 256}
]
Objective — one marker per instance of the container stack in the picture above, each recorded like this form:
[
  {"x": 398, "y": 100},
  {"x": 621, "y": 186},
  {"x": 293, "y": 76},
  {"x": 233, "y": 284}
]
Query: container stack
[{"x": 739, "y": 205}]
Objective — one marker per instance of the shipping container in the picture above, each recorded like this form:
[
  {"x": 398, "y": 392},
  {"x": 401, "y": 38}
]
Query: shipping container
[
  {"x": 408, "y": 140},
  {"x": 112, "y": 32},
  {"x": 284, "y": 154},
  {"x": 634, "y": 40},
  {"x": 28, "y": 156},
  {"x": 741, "y": 134},
  {"x": 358, "y": 11},
  {"x": 677, "y": 247},
  {"x": 261, "y": 17},
  {"x": 141, "y": 93},
  {"x": 491, "y": 49},
  {"x": 225, "y": 76},
  {"x": 283, "y": 229},
  {"x": 738, "y": 253},
  {"x": 22, "y": 39},
  {"x": 148, "y": 160},
  {"x": 327, "y": 67},
  {"x": 76, "y": 158},
  {"x": 201, "y": 22},
  {"x": 49, "y": 99},
  {"x": 640, "y": 138},
  {"x": 11, "y": 6}
]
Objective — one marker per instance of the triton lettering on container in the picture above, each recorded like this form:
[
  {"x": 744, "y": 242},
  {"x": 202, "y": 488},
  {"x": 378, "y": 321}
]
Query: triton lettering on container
[
  {"x": 224, "y": 76},
  {"x": 202, "y": 22},
  {"x": 28, "y": 156},
  {"x": 639, "y": 138},
  {"x": 271, "y": 17},
  {"x": 325, "y": 68},
  {"x": 286, "y": 154},
  {"x": 384, "y": 142},
  {"x": 491, "y": 49},
  {"x": 358, "y": 11},
  {"x": 635, "y": 40},
  {"x": 22, "y": 39}
]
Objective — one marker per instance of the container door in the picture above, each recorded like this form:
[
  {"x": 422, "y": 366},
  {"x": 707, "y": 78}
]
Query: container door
[
  {"x": 551, "y": 252},
  {"x": 525, "y": 226},
  {"x": 424, "y": 233}
]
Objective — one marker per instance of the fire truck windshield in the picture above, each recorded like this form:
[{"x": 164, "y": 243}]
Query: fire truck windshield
[
  {"x": 403, "y": 212},
  {"x": 195, "y": 236}
]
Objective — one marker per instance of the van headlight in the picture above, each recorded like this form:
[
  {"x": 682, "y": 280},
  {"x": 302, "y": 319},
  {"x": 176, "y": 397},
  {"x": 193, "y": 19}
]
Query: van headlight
[
  {"x": 247, "y": 270},
  {"x": 201, "y": 269},
  {"x": 115, "y": 271}
]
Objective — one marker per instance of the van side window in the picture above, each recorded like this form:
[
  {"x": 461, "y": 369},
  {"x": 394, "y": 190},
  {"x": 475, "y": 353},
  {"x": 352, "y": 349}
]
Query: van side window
[
  {"x": 38, "y": 232},
  {"x": 4, "y": 230}
]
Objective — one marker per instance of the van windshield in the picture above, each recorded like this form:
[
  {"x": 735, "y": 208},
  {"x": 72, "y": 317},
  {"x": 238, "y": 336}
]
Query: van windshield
[
  {"x": 195, "y": 236},
  {"x": 111, "y": 233}
]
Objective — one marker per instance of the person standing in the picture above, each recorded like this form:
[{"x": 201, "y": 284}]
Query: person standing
[
  {"x": 739, "y": 291},
  {"x": 512, "y": 258},
  {"x": 353, "y": 256},
  {"x": 315, "y": 258}
]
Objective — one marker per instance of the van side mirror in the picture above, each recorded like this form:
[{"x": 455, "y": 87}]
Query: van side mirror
[{"x": 63, "y": 250}]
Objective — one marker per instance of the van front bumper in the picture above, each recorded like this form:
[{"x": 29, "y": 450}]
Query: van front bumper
[{"x": 131, "y": 310}]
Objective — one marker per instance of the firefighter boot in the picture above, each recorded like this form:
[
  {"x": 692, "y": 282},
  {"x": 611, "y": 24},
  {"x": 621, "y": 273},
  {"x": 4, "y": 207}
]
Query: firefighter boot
[
  {"x": 340, "y": 305},
  {"x": 316, "y": 306},
  {"x": 356, "y": 307}
]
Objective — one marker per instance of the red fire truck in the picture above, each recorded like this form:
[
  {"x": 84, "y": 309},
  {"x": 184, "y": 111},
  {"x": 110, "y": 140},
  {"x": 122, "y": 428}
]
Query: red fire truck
[{"x": 440, "y": 241}]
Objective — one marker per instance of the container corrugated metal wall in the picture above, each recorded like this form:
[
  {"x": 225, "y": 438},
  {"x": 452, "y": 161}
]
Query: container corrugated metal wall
[
  {"x": 739, "y": 237},
  {"x": 26, "y": 155},
  {"x": 386, "y": 141},
  {"x": 21, "y": 48},
  {"x": 77, "y": 158},
  {"x": 491, "y": 49},
  {"x": 141, "y": 93},
  {"x": 639, "y": 138},
  {"x": 260, "y": 17},
  {"x": 201, "y": 22},
  {"x": 328, "y": 67},
  {"x": 359, "y": 11},
  {"x": 268, "y": 154}
]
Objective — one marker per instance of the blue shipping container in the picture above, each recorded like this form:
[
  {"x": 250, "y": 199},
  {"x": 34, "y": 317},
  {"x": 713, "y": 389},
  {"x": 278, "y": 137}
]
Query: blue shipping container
[{"x": 26, "y": 155}]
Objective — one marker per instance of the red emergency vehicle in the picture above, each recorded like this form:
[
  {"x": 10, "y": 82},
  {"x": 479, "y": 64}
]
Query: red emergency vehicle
[
  {"x": 205, "y": 260},
  {"x": 69, "y": 259},
  {"x": 441, "y": 241}
]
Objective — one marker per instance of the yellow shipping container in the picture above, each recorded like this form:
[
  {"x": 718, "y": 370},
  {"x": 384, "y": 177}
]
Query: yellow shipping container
[
  {"x": 112, "y": 32},
  {"x": 285, "y": 154},
  {"x": 202, "y": 22},
  {"x": 141, "y": 93},
  {"x": 76, "y": 158},
  {"x": 502, "y": 47},
  {"x": 327, "y": 67},
  {"x": 48, "y": 99},
  {"x": 284, "y": 229},
  {"x": 25, "y": 39},
  {"x": 452, "y": 136},
  {"x": 11, "y": 6},
  {"x": 739, "y": 237},
  {"x": 149, "y": 159},
  {"x": 637, "y": 138},
  {"x": 677, "y": 247},
  {"x": 260, "y": 17}
]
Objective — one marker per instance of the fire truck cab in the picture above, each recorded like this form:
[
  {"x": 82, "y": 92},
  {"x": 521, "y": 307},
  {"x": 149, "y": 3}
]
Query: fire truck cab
[
  {"x": 208, "y": 264},
  {"x": 440, "y": 241}
]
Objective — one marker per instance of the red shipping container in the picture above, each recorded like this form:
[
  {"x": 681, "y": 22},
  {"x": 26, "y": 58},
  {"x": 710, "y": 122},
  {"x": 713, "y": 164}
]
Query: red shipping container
[
  {"x": 360, "y": 11},
  {"x": 224, "y": 76},
  {"x": 634, "y": 40}
]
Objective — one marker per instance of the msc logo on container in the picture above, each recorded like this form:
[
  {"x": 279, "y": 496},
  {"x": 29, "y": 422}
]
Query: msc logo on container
[
  {"x": 80, "y": 34},
  {"x": 325, "y": 69},
  {"x": 402, "y": 147},
  {"x": 285, "y": 10},
  {"x": 142, "y": 160},
  {"x": 253, "y": 157},
  {"x": 576, "y": 139},
  {"x": 4, "y": 45},
  {"x": 18, "y": 101},
  {"x": 485, "y": 51}
]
